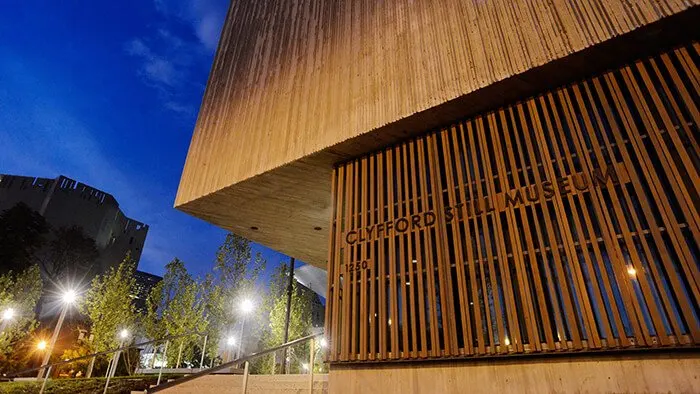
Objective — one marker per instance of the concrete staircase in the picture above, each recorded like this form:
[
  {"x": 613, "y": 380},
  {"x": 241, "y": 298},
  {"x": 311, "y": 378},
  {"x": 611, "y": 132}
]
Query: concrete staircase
[{"x": 257, "y": 384}]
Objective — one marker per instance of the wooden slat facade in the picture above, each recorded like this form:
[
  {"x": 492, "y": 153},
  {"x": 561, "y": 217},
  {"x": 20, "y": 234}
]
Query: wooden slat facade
[
  {"x": 297, "y": 86},
  {"x": 565, "y": 222}
]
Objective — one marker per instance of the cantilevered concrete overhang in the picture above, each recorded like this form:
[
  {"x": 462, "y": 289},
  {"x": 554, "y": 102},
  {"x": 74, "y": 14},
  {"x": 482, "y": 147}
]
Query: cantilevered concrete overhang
[{"x": 296, "y": 88}]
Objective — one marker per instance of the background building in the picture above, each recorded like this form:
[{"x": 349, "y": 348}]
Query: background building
[
  {"x": 64, "y": 202},
  {"x": 145, "y": 282},
  {"x": 481, "y": 180}
]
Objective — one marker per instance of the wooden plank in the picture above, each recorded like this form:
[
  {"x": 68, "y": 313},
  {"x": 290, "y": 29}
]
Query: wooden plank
[
  {"x": 427, "y": 249},
  {"x": 384, "y": 342},
  {"x": 401, "y": 258},
  {"x": 373, "y": 260},
  {"x": 442, "y": 263},
  {"x": 417, "y": 256},
  {"x": 409, "y": 266},
  {"x": 393, "y": 321},
  {"x": 364, "y": 220}
]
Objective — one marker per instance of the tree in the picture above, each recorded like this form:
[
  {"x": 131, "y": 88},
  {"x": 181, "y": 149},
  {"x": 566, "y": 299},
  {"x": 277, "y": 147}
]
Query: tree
[
  {"x": 20, "y": 292},
  {"x": 109, "y": 307},
  {"x": 237, "y": 271},
  {"x": 176, "y": 307},
  {"x": 68, "y": 253},
  {"x": 22, "y": 232},
  {"x": 300, "y": 321}
]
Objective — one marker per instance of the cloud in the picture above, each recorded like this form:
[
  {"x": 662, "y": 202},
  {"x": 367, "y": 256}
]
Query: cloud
[
  {"x": 167, "y": 60},
  {"x": 204, "y": 16},
  {"x": 156, "y": 69}
]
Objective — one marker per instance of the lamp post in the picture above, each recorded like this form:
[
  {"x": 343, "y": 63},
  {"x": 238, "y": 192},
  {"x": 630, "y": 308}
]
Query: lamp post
[
  {"x": 112, "y": 369},
  {"x": 246, "y": 307},
  {"x": 231, "y": 342},
  {"x": 68, "y": 298}
]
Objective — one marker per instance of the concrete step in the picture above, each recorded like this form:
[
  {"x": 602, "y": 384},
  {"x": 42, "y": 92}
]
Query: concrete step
[{"x": 257, "y": 384}]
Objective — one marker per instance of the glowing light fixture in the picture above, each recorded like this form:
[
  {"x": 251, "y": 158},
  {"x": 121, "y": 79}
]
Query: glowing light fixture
[
  {"x": 41, "y": 345},
  {"x": 247, "y": 306},
  {"x": 69, "y": 297},
  {"x": 8, "y": 314}
]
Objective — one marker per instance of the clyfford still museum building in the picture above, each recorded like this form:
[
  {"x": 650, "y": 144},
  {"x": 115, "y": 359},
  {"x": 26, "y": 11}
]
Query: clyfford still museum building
[{"x": 505, "y": 193}]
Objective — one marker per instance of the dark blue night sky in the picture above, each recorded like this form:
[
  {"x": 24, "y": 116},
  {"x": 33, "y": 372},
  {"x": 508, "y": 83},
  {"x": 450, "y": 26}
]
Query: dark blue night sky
[{"x": 107, "y": 93}]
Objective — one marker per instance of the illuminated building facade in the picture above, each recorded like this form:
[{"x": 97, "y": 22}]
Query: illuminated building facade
[{"x": 507, "y": 189}]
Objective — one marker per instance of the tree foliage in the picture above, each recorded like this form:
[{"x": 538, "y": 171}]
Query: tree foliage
[
  {"x": 176, "y": 306},
  {"x": 109, "y": 307},
  {"x": 237, "y": 270},
  {"x": 22, "y": 232},
  {"x": 69, "y": 253},
  {"x": 300, "y": 321},
  {"x": 20, "y": 292}
]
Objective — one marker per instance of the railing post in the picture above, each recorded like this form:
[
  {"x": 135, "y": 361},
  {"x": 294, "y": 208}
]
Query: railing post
[
  {"x": 110, "y": 373},
  {"x": 204, "y": 350},
  {"x": 91, "y": 367},
  {"x": 43, "y": 384},
  {"x": 244, "y": 388},
  {"x": 165, "y": 360},
  {"x": 153, "y": 359},
  {"x": 179, "y": 354},
  {"x": 312, "y": 353}
]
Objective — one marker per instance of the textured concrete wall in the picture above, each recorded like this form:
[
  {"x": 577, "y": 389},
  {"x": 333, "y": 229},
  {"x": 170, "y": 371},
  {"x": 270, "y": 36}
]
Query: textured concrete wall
[
  {"x": 294, "y": 78},
  {"x": 651, "y": 374},
  {"x": 297, "y": 87},
  {"x": 257, "y": 384}
]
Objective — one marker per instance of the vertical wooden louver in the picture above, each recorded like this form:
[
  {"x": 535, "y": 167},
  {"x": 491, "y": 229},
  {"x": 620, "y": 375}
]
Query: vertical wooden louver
[{"x": 569, "y": 221}]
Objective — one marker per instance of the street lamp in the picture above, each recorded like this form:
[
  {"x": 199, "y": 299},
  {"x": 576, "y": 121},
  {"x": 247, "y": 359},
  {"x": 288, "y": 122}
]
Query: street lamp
[
  {"x": 68, "y": 297},
  {"x": 112, "y": 368},
  {"x": 8, "y": 314},
  {"x": 41, "y": 345},
  {"x": 246, "y": 307}
]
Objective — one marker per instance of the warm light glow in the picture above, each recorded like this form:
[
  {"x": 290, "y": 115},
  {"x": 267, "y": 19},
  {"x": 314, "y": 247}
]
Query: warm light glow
[
  {"x": 631, "y": 271},
  {"x": 69, "y": 297},
  {"x": 324, "y": 343},
  {"x": 124, "y": 334},
  {"x": 231, "y": 341},
  {"x": 8, "y": 314},
  {"x": 507, "y": 342},
  {"x": 41, "y": 345},
  {"x": 246, "y": 306}
]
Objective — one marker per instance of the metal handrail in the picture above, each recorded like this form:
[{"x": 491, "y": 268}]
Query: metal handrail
[
  {"x": 72, "y": 360},
  {"x": 232, "y": 363}
]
